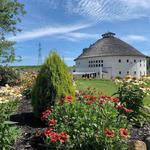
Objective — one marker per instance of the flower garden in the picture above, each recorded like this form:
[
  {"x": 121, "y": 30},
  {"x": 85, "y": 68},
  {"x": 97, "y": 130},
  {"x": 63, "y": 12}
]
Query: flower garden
[{"x": 65, "y": 116}]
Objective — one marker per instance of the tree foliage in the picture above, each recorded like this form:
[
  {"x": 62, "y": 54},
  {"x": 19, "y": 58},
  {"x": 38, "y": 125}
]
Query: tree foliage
[{"x": 10, "y": 13}]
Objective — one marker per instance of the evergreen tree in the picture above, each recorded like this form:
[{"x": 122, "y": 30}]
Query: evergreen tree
[{"x": 52, "y": 84}]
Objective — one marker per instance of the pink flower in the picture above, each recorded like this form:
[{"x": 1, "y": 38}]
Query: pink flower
[
  {"x": 52, "y": 122},
  {"x": 37, "y": 133},
  {"x": 109, "y": 133},
  {"x": 87, "y": 96},
  {"x": 119, "y": 106},
  {"x": 128, "y": 110},
  {"x": 114, "y": 99},
  {"x": 124, "y": 132},
  {"x": 48, "y": 132},
  {"x": 45, "y": 114},
  {"x": 54, "y": 137},
  {"x": 89, "y": 102},
  {"x": 63, "y": 136}
]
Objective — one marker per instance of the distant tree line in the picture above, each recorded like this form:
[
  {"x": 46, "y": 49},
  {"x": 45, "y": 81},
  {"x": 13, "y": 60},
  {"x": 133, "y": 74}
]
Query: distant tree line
[{"x": 148, "y": 63}]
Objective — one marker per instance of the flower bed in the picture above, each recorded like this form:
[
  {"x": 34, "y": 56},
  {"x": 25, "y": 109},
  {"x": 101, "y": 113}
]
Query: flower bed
[
  {"x": 87, "y": 122},
  {"x": 9, "y": 97}
]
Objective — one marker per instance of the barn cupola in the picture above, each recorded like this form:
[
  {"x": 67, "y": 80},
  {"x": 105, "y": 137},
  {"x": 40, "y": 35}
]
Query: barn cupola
[{"x": 108, "y": 35}]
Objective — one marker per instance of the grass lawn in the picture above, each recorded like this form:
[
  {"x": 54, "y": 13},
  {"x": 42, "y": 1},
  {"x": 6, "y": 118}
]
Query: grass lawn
[{"x": 107, "y": 87}]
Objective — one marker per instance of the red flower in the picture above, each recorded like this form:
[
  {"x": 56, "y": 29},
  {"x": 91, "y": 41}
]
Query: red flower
[
  {"x": 52, "y": 122},
  {"x": 124, "y": 132},
  {"x": 89, "y": 102},
  {"x": 93, "y": 98},
  {"x": 54, "y": 137},
  {"x": 109, "y": 133},
  {"x": 68, "y": 99},
  {"x": 87, "y": 96},
  {"x": 37, "y": 133},
  {"x": 128, "y": 110},
  {"x": 119, "y": 106},
  {"x": 45, "y": 114},
  {"x": 63, "y": 136},
  {"x": 103, "y": 97},
  {"x": 103, "y": 101},
  {"x": 48, "y": 132},
  {"x": 114, "y": 99}
]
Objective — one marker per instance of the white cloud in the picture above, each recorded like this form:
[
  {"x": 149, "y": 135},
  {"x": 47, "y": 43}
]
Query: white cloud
[
  {"x": 48, "y": 31},
  {"x": 131, "y": 38},
  {"x": 76, "y": 36},
  {"x": 137, "y": 3},
  {"x": 108, "y": 10}
]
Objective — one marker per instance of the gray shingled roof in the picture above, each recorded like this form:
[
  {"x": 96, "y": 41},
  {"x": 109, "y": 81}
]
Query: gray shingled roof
[{"x": 109, "y": 45}]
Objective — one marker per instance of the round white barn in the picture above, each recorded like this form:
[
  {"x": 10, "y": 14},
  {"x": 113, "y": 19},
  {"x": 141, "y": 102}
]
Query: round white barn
[{"x": 111, "y": 57}]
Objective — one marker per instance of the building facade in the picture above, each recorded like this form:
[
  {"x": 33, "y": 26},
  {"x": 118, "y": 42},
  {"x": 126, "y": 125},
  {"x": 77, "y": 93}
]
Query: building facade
[{"x": 111, "y": 57}]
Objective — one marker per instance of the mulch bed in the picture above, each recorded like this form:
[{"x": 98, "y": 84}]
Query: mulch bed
[{"x": 29, "y": 124}]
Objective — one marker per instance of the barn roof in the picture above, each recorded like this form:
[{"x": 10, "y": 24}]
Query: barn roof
[{"x": 109, "y": 45}]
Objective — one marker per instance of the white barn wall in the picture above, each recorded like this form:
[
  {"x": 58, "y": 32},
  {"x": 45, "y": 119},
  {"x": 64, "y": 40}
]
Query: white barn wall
[{"x": 112, "y": 66}]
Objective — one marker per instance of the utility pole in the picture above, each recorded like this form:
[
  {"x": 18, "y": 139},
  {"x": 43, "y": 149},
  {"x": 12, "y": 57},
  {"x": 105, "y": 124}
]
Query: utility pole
[{"x": 39, "y": 55}]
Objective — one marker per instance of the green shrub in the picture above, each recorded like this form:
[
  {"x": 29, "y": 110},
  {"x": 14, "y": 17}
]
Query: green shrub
[
  {"x": 89, "y": 122},
  {"x": 8, "y": 132},
  {"x": 131, "y": 94},
  {"x": 8, "y": 76},
  {"x": 53, "y": 83}
]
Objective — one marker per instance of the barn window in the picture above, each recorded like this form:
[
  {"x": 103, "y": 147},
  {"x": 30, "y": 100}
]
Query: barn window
[{"x": 134, "y": 72}]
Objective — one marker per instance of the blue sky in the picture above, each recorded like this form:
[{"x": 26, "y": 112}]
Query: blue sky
[{"x": 71, "y": 25}]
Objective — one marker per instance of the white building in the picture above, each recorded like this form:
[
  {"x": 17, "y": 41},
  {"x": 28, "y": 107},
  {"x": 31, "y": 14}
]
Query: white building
[{"x": 111, "y": 57}]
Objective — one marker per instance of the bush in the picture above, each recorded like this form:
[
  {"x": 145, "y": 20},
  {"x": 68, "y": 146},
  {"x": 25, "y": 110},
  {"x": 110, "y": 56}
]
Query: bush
[
  {"x": 8, "y": 76},
  {"x": 52, "y": 84},
  {"x": 27, "y": 82},
  {"x": 131, "y": 93},
  {"x": 89, "y": 122},
  {"x": 8, "y": 132}
]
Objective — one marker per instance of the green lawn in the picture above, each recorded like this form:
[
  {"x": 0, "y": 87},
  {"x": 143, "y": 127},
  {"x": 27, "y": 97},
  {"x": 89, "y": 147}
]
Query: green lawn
[{"x": 105, "y": 86}]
